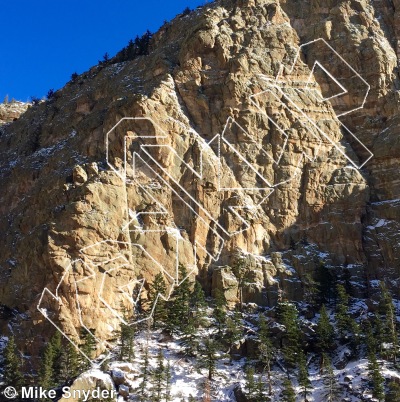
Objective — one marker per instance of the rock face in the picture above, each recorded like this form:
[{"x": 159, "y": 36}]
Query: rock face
[
  {"x": 88, "y": 196},
  {"x": 12, "y": 111}
]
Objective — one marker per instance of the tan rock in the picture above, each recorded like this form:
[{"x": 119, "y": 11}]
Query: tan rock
[
  {"x": 202, "y": 70},
  {"x": 79, "y": 175}
]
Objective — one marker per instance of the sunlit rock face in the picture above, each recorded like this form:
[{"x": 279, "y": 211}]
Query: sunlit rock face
[{"x": 237, "y": 151}]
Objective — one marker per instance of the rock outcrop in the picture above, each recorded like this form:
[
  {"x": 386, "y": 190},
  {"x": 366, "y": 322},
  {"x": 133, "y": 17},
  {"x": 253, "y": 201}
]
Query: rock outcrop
[
  {"x": 11, "y": 111},
  {"x": 279, "y": 187}
]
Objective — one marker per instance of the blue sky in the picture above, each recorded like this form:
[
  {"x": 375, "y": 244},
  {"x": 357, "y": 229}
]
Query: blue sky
[{"x": 44, "y": 41}]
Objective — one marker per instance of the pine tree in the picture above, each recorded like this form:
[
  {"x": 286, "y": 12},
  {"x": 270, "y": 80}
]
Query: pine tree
[
  {"x": 311, "y": 290},
  {"x": 198, "y": 305},
  {"x": 157, "y": 303},
  {"x": 342, "y": 315},
  {"x": 303, "y": 378},
  {"x": 378, "y": 332},
  {"x": 144, "y": 374},
  {"x": 12, "y": 365},
  {"x": 220, "y": 310},
  {"x": 393, "y": 393},
  {"x": 46, "y": 379},
  {"x": 56, "y": 342},
  {"x": 348, "y": 328},
  {"x": 168, "y": 377},
  {"x": 265, "y": 348},
  {"x": 158, "y": 378},
  {"x": 239, "y": 270},
  {"x": 178, "y": 305},
  {"x": 209, "y": 360},
  {"x": 386, "y": 308},
  {"x": 288, "y": 316},
  {"x": 260, "y": 391},
  {"x": 234, "y": 331},
  {"x": 376, "y": 379},
  {"x": 288, "y": 394},
  {"x": 325, "y": 333},
  {"x": 126, "y": 338},
  {"x": 87, "y": 347},
  {"x": 332, "y": 392},
  {"x": 370, "y": 339},
  {"x": 106, "y": 58},
  {"x": 251, "y": 387},
  {"x": 190, "y": 339},
  {"x": 50, "y": 94},
  {"x": 69, "y": 362}
]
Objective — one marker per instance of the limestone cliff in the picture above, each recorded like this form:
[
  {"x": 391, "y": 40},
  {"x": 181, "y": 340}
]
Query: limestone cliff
[{"x": 279, "y": 188}]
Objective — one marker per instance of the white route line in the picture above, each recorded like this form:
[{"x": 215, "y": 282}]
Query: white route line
[
  {"x": 297, "y": 57},
  {"x": 132, "y": 217}
]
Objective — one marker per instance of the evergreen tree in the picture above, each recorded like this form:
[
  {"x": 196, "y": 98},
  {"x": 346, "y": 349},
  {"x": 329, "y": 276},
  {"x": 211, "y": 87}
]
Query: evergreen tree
[
  {"x": 87, "y": 347},
  {"x": 106, "y": 58},
  {"x": 158, "y": 378},
  {"x": 234, "y": 331},
  {"x": 56, "y": 342},
  {"x": 190, "y": 339},
  {"x": 168, "y": 377},
  {"x": 325, "y": 333},
  {"x": 144, "y": 374},
  {"x": 347, "y": 326},
  {"x": 332, "y": 390},
  {"x": 178, "y": 305},
  {"x": 126, "y": 339},
  {"x": 157, "y": 303},
  {"x": 346, "y": 278},
  {"x": 376, "y": 379},
  {"x": 209, "y": 360},
  {"x": 378, "y": 332},
  {"x": 342, "y": 315},
  {"x": 265, "y": 348},
  {"x": 142, "y": 44},
  {"x": 393, "y": 394},
  {"x": 50, "y": 367},
  {"x": 311, "y": 291},
  {"x": 370, "y": 339},
  {"x": 198, "y": 305},
  {"x": 50, "y": 94},
  {"x": 386, "y": 308},
  {"x": 220, "y": 310},
  {"x": 239, "y": 270},
  {"x": 260, "y": 391},
  {"x": 69, "y": 363},
  {"x": 130, "y": 51},
  {"x": 303, "y": 378},
  {"x": 251, "y": 387},
  {"x": 288, "y": 394},
  {"x": 46, "y": 378},
  {"x": 288, "y": 316},
  {"x": 12, "y": 365}
]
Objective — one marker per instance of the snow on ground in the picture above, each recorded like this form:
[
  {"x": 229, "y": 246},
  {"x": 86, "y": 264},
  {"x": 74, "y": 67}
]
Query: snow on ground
[{"x": 187, "y": 378}]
